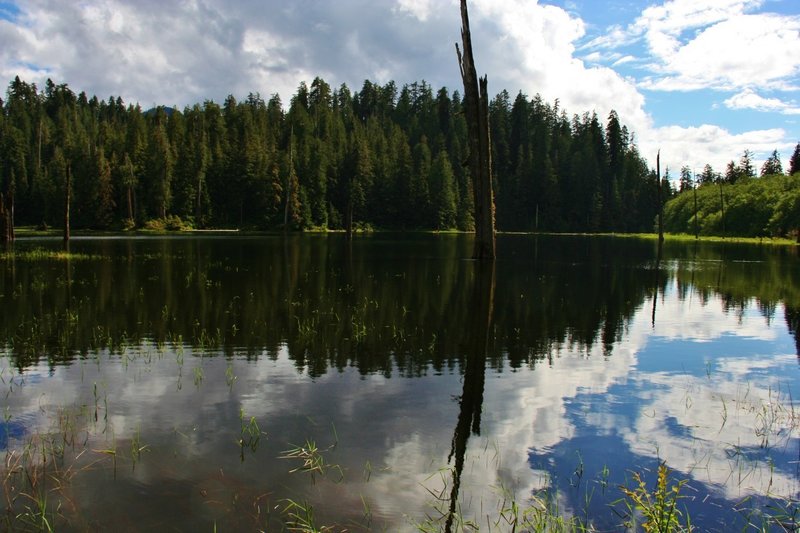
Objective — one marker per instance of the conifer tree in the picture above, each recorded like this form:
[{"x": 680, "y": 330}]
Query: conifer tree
[
  {"x": 794, "y": 161},
  {"x": 772, "y": 165}
]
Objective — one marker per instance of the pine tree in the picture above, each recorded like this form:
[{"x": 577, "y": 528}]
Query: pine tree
[
  {"x": 443, "y": 192},
  {"x": 794, "y": 161},
  {"x": 772, "y": 165},
  {"x": 104, "y": 201},
  {"x": 746, "y": 167},
  {"x": 686, "y": 182},
  {"x": 708, "y": 176}
]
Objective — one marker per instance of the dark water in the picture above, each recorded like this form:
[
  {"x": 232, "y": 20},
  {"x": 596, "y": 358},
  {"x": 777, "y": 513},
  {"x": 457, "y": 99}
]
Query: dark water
[{"x": 161, "y": 383}]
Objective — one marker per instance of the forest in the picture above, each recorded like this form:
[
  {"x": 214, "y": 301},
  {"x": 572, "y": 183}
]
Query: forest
[
  {"x": 737, "y": 202},
  {"x": 381, "y": 157}
]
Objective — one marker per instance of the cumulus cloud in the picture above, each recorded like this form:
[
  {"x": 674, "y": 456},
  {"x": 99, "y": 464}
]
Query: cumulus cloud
[
  {"x": 718, "y": 44},
  {"x": 748, "y": 99},
  {"x": 180, "y": 53},
  {"x": 697, "y": 146},
  {"x": 761, "y": 50}
]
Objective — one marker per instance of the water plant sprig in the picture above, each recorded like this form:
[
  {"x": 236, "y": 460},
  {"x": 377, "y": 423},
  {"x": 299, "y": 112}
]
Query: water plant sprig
[
  {"x": 658, "y": 507},
  {"x": 312, "y": 460}
]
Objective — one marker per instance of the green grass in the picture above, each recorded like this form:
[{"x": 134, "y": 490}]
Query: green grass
[
  {"x": 685, "y": 237},
  {"x": 39, "y": 254}
]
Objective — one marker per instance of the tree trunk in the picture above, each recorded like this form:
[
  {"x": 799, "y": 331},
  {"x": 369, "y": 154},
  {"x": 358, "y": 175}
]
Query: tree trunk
[
  {"x": 696, "y": 223},
  {"x": 4, "y": 237},
  {"x": 130, "y": 203},
  {"x": 11, "y": 234},
  {"x": 67, "y": 193},
  {"x": 198, "y": 200},
  {"x": 348, "y": 220},
  {"x": 722, "y": 207},
  {"x": 660, "y": 199},
  {"x": 476, "y": 110}
]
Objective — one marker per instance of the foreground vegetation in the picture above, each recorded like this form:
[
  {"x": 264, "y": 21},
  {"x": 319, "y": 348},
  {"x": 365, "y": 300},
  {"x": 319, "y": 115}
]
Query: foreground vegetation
[{"x": 750, "y": 207}]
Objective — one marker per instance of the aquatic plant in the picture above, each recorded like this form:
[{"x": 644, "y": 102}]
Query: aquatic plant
[
  {"x": 312, "y": 460},
  {"x": 658, "y": 507},
  {"x": 300, "y": 518},
  {"x": 40, "y": 254},
  {"x": 250, "y": 433}
]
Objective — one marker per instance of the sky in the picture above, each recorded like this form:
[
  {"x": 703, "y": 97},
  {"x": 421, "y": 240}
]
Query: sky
[{"x": 699, "y": 80}]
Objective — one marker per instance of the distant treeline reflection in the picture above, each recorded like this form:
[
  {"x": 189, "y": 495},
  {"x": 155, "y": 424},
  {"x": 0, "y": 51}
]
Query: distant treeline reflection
[{"x": 382, "y": 303}]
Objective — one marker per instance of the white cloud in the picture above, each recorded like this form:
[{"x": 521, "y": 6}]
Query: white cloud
[
  {"x": 180, "y": 53},
  {"x": 749, "y": 50},
  {"x": 697, "y": 145},
  {"x": 532, "y": 47},
  {"x": 624, "y": 60},
  {"x": 677, "y": 16},
  {"x": 420, "y": 9},
  {"x": 717, "y": 44},
  {"x": 614, "y": 37},
  {"x": 748, "y": 99}
]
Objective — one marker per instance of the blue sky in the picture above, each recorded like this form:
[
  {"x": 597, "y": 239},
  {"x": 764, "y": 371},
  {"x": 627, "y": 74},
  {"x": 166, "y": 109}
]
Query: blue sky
[
  {"x": 701, "y": 80},
  {"x": 739, "y": 107}
]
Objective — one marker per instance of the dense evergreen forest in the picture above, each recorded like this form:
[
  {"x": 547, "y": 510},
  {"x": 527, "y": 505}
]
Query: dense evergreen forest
[{"x": 382, "y": 157}]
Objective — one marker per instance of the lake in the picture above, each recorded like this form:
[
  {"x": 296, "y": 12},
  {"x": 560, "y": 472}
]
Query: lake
[{"x": 237, "y": 383}]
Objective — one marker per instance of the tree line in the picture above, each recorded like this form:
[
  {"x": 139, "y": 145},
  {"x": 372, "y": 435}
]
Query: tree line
[
  {"x": 382, "y": 156},
  {"x": 738, "y": 202}
]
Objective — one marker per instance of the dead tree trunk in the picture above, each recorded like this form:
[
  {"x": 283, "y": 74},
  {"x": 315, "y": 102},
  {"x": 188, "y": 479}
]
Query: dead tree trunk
[
  {"x": 476, "y": 109},
  {"x": 10, "y": 208},
  {"x": 4, "y": 234},
  {"x": 67, "y": 194},
  {"x": 660, "y": 199}
]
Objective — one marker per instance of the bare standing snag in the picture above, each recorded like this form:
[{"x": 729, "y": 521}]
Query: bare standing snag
[{"x": 476, "y": 109}]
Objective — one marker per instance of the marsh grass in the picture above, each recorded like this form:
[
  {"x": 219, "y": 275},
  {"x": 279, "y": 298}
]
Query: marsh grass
[
  {"x": 35, "y": 481},
  {"x": 312, "y": 460},
  {"x": 40, "y": 254},
  {"x": 250, "y": 434},
  {"x": 685, "y": 237},
  {"x": 539, "y": 514},
  {"x": 38, "y": 471},
  {"x": 299, "y": 517}
]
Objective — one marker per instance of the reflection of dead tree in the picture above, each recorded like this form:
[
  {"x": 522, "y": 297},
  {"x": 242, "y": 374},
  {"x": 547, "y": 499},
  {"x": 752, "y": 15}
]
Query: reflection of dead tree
[
  {"x": 660, "y": 199},
  {"x": 657, "y": 282},
  {"x": 476, "y": 111},
  {"x": 793, "y": 323},
  {"x": 471, "y": 403}
]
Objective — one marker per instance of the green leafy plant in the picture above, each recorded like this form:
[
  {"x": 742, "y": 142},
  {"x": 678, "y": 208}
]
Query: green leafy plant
[{"x": 657, "y": 507}]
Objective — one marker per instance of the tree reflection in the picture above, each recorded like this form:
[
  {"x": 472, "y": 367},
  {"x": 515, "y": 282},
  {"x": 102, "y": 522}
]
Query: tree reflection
[
  {"x": 657, "y": 284},
  {"x": 384, "y": 304},
  {"x": 793, "y": 323},
  {"x": 471, "y": 401}
]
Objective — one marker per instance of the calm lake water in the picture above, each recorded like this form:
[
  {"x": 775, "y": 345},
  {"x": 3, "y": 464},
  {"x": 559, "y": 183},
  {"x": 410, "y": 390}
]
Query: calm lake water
[{"x": 170, "y": 384}]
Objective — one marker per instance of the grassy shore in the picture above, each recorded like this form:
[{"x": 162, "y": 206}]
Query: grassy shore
[{"x": 30, "y": 231}]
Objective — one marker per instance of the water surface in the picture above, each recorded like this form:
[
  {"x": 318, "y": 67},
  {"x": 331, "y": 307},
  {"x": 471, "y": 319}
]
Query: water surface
[{"x": 166, "y": 380}]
